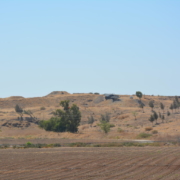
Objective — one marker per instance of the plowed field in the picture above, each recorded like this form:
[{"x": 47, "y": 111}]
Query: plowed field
[{"x": 133, "y": 163}]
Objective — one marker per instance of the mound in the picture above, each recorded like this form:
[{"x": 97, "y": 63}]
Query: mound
[
  {"x": 15, "y": 97},
  {"x": 57, "y": 93}
]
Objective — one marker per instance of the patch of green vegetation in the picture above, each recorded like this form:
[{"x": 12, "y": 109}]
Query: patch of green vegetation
[
  {"x": 31, "y": 145},
  {"x": 120, "y": 130},
  {"x": 144, "y": 135},
  {"x": 78, "y": 144}
]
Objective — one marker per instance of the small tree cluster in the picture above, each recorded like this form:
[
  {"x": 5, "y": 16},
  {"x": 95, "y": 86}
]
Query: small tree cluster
[
  {"x": 63, "y": 120},
  {"x": 19, "y": 110},
  {"x": 175, "y": 104},
  {"x": 155, "y": 116}
]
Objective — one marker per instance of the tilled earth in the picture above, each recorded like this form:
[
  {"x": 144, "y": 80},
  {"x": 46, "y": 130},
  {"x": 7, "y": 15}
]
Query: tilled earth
[{"x": 85, "y": 163}]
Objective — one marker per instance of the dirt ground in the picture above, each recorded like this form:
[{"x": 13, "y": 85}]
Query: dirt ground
[{"x": 132, "y": 163}]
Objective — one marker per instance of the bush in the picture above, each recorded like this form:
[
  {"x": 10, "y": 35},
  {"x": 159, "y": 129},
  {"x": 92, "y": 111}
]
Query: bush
[
  {"x": 91, "y": 120},
  {"x": 154, "y": 131},
  {"x": 112, "y": 125},
  {"x": 144, "y": 135},
  {"x": 42, "y": 108},
  {"x": 78, "y": 144},
  {"x": 120, "y": 130},
  {"x": 148, "y": 128},
  {"x": 105, "y": 126}
]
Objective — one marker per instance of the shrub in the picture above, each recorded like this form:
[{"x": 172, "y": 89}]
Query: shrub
[
  {"x": 144, "y": 135},
  {"x": 105, "y": 126},
  {"x": 78, "y": 144},
  {"x": 42, "y": 108},
  {"x": 120, "y": 130},
  {"x": 105, "y": 117},
  {"x": 154, "y": 131},
  {"x": 112, "y": 125},
  {"x": 91, "y": 120},
  {"x": 148, "y": 128}
]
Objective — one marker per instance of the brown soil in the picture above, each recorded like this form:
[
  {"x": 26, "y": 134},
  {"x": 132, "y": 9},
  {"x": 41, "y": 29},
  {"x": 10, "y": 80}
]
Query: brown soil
[{"x": 148, "y": 163}]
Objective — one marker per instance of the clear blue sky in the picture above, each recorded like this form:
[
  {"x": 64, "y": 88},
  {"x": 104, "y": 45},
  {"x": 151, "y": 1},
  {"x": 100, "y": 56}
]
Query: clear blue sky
[{"x": 105, "y": 46}]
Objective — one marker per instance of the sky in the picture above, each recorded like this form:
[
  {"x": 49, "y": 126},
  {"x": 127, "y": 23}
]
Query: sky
[{"x": 82, "y": 46}]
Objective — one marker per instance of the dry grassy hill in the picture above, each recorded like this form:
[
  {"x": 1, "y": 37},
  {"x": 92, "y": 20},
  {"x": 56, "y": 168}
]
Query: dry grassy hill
[{"x": 90, "y": 104}]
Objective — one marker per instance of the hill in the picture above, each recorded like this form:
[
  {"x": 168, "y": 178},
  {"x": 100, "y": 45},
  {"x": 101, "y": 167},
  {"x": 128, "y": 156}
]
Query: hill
[{"x": 126, "y": 127}]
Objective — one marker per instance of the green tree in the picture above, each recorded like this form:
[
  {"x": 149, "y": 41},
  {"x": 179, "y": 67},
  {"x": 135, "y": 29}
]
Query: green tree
[
  {"x": 105, "y": 126},
  {"x": 162, "y": 117},
  {"x": 65, "y": 104},
  {"x": 19, "y": 111},
  {"x": 151, "y": 104},
  {"x": 162, "y": 107},
  {"x": 139, "y": 94},
  {"x": 64, "y": 120},
  {"x": 142, "y": 106},
  {"x": 171, "y": 107},
  {"x": 177, "y": 102},
  {"x": 175, "y": 105},
  {"x": 104, "y": 123},
  {"x": 134, "y": 113},
  {"x": 155, "y": 116},
  {"x": 151, "y": 119},
  {"x": 168, "y": 114},
  {"x": 30, "y": 113}
]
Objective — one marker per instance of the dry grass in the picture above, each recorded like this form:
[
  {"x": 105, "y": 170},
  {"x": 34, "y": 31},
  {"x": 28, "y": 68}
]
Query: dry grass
[{"x": 120, "y": 113}]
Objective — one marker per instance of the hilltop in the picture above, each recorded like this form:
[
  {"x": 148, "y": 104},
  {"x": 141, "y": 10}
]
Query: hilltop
[{"x": 120, "y": 112}]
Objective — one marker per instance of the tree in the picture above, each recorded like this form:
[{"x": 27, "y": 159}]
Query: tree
[
  {"x": 162, "y": 106},
  {"x": 105, "y": 126},
  {"x": 171, "y": 107},
  {"x": 64, "y": 120},
  {"x": 19, "y": 111},
  {"x": 151, "y": 119},
  {"x": 175, "y": 105},
  {"x": 139, "y": 94},
  {"x": 134, "y": 113},
  {"x": 155, "y": 116},
  {"x": 142, "y": 106},
  {"x": 162, "y": 117},
  {"x": 104, "y": 123},
  {"x": 177, "y": 102},
  {"x": 30, "y": 113},
  {"x": 151, "y": 104},
  {"x": 168, "y": 114},
  {"x": 105, "y": 117},
  {"x": 91, "y": 120},
  {"x": 65, "y": 104}
]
